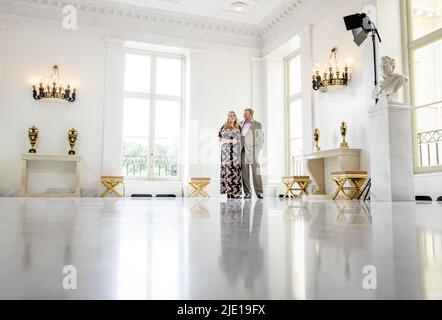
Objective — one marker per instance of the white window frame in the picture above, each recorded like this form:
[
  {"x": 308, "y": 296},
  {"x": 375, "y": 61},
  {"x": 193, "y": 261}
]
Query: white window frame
[
  {"x": 409, "y": 49},
  {"x": 288, "y": 100},
  {"x": 153, "y": 97}
]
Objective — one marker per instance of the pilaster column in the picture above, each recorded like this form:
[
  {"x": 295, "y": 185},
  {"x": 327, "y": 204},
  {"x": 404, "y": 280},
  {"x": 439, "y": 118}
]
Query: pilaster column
[
  {"x": 257, "y": 98},
  {"x": 275, "y": 136},
  {"x": 3, "y": 134},
  {"x": 257, "y": 85},
  {"x": 113, "y": 108},
  {"x": 2, "y": 35},
  {"x": 305, "y": 50}
]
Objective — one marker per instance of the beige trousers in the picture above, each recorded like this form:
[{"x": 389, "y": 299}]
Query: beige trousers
[{"x": 256, "y": 176}]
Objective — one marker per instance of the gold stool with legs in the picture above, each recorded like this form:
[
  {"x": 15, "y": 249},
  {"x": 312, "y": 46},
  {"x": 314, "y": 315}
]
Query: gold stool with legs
[
  {"x": 295, "y": 183},
  {"x": 198, "y": 185},
  {"x": 111, "y": 183},
  {"x": 355, "y": 179}
]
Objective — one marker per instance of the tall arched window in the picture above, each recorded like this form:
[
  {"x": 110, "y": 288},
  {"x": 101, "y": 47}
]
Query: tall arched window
[
  {"x": 294, "y": 112},
  {"x": 153, "y": 108},
  {"x": 425, "y": 57}
]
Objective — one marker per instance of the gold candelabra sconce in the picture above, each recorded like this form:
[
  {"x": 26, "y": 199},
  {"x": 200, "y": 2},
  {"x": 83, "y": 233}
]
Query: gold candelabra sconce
[
  {"x": 333, "y": 75},
  {"x": 54, "y": 88},
  {"x": 316, "y": 137},
  {"x": 33, "y": 134},
  {"x": 344, "y": 131},
  {"x": 72, "y": 139}
]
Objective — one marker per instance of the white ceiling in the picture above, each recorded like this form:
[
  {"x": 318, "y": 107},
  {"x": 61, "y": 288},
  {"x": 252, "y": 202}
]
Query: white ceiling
[{"x": 255, "y": 13}]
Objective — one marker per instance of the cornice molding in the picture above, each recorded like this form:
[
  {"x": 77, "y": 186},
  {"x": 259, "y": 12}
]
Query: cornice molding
[
  {"x": 129, "y": 12},
  {"x": 93, "y": 13},
  {"x": 307, "y": 14},
  {"x": 281, "y": 15}
]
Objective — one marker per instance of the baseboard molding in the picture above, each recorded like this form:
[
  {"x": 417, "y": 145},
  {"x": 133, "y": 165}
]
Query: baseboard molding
[
  {"x": 8, "y": 192},
  {"x": 85, "y": 192}
]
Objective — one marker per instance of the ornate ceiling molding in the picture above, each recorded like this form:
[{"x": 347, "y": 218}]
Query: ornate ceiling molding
[
  {"x": 281, "y": 15},
  {"x": 129, "y": 12},
  {"x": 93, "y": 13}
]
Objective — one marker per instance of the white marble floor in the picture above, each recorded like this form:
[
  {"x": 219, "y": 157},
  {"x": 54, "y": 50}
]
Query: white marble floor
[{"x": 219, "y": 249}]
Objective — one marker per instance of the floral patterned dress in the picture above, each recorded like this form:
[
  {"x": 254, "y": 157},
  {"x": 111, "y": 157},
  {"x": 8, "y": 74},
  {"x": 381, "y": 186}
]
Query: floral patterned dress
[{"x": 231, "y": 173}]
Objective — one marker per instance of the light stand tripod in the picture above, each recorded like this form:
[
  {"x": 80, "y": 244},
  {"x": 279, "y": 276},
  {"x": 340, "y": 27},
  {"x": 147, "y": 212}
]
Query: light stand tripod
[
  {"x": 374, "y": 33},
  {"x": 361, "y": 25}
]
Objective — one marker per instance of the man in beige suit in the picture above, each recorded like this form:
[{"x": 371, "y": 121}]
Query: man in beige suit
[{"x": 252, "y": 138}]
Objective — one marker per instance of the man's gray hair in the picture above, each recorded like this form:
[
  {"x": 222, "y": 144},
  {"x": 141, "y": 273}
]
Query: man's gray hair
[{"x": 252, "y": 112}]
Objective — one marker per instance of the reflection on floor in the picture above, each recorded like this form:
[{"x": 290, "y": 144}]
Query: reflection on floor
[{"x": 219, "y": 249}]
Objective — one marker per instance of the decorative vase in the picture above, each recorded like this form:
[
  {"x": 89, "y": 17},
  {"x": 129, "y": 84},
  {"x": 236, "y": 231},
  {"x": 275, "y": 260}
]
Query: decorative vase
[
  {"x": 344, "y": 131},
  {"x": 72, "y": 138},
  {"x": 33, "y": 137},
  {"x": 317, "y": 136}
]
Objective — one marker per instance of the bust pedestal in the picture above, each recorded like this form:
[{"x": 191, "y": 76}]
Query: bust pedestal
[{"x": 391, "y": 152}]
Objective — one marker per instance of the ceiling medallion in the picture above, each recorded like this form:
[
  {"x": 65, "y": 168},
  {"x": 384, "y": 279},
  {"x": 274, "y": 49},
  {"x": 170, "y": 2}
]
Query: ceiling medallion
[{"x": 239, "y": 6}]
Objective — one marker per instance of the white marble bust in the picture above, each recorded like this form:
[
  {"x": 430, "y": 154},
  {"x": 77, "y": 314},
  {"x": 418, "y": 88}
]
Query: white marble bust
[{"x": 391, "y": 82}]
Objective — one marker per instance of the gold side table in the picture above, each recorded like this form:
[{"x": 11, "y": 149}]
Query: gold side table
[
  {"x": 296, "y": 183},
  {"x": 111, "y": 183},
  {"x": 198, "y": 185},
  {"x": 355, "y": 179}
]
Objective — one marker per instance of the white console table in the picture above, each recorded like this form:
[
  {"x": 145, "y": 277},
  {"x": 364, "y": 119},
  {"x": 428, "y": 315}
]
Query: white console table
[
  {"x": 25, "y": 158},
  {"x": 319, "y": 165}
]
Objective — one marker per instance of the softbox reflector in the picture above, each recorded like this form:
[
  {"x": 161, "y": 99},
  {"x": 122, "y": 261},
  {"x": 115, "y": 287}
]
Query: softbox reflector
[
  {"x": 354, "y": 21},
  {"x": 359, "y": 36}
]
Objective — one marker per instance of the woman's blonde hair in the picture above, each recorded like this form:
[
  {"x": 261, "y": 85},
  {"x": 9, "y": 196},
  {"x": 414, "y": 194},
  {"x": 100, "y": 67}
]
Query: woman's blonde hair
[{"x": 228, "y": 125}]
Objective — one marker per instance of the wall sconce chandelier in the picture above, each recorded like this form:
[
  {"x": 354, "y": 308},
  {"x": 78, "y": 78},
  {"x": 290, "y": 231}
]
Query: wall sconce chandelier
[
  {"x": 332, "y": 75},
  {"x": 54, "y": 88}
]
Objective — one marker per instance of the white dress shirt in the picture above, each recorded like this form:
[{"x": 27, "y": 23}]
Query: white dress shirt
[{"x": 246, "y": 127}]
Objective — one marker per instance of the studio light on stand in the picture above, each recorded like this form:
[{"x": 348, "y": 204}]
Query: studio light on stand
[{"x": 361, "y": 26}]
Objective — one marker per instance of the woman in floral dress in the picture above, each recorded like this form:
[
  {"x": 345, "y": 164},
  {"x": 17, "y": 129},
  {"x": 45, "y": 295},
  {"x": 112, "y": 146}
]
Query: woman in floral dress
[{"x": 230, "y": 139}]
